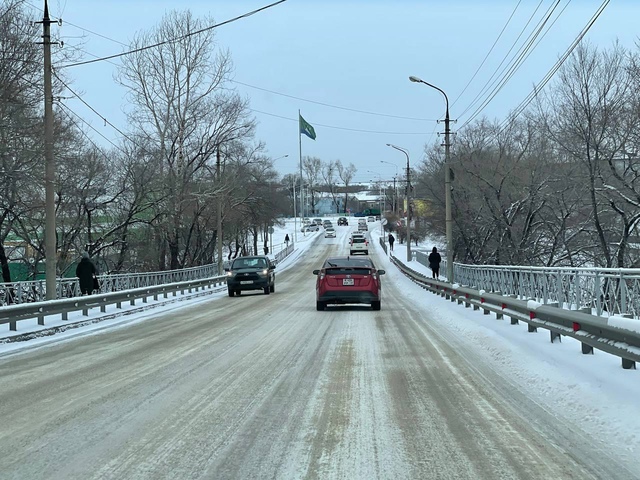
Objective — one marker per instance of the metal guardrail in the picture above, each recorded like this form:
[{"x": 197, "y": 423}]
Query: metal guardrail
[
  {"x": 34, "y": 291},
  {"x": 616, "y": 334},
  {"x": 606, "y": 291},
  {"x": 13, "y": 314}
]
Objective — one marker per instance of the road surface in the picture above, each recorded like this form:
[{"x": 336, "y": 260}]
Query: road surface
[{"x": 266, "y": 387}]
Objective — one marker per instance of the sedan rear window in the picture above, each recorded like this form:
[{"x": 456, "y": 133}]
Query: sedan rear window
[
  {"x": 347, "y": 271},
  {"x": 358, "y": 240}
]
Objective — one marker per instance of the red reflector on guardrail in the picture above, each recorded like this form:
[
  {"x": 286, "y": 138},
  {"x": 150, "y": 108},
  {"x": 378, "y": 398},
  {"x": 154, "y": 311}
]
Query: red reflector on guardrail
[
  {"x": 576, "y": 326},
  {"x": 504, "y": 305},
  {"x": 532, "y": 315},
  {"x": 481, "y": 300}
]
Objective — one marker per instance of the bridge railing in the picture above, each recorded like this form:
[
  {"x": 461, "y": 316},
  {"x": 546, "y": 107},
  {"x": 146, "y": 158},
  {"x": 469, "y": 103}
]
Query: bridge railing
[
  {"x": 35, "y": 291},
  {"x": 606, "y": 291}
]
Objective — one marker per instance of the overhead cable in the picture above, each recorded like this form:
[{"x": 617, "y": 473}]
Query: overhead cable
[{"x": 190, "y": 34}]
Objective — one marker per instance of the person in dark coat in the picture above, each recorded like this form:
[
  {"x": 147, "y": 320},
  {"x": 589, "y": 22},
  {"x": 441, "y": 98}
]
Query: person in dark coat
[
  {"x": 391, "y": 240},
  {"x": 286, "y": 239},
  {"x": 434, "y": 262},
  {"x": 86, "y": 271}
]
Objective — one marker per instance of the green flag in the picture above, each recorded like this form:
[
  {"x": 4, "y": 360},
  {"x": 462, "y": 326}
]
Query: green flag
[{"x": 306, "y": 128}]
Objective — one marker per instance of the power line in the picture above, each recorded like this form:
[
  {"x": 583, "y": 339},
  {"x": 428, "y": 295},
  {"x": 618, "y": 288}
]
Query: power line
[
  {"x": 94, "y": 110},
  {"x": 332, "y": 106},
  {"x": 534, "y": 93},
  {"x": 69, "y": 110},
  {"x": 489, "y": 83},
  {"x": 488, "y": 53},
  {"x": 190, "y": 34},
  {"x": 337, "y": 128},
  {"x": 524, "y": 53}
]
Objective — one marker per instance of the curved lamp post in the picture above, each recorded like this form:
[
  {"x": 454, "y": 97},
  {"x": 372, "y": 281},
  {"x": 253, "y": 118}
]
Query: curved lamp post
[
  {"x": 408, "y": 199},
  {"x": 447, "y": 181}
]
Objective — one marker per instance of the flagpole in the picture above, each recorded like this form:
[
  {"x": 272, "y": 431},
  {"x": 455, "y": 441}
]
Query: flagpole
[{"x": 301, "y": 188}]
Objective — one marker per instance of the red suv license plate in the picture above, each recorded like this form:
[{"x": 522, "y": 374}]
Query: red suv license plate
[{"x": 347, "y": 281}]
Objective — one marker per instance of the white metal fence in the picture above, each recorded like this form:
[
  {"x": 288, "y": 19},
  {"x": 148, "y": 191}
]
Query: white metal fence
[
  {"x": 604, "y": 291},
  {"x": 34, "y": 291}
]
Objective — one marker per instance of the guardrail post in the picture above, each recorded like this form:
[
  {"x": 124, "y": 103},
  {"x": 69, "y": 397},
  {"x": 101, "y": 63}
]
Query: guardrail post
[
  {"x": 467, "y": 303},
  {"x": 532, "y": 328},
  {"x": 587, "y": 349},
  {"x": 628, "y": 364},
  {"x": 596, "y": 292},
  {"x": 555, "y": 336}
]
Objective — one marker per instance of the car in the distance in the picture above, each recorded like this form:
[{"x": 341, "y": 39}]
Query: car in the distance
[
  {"x": 371, "y": 219},
  {"x": 346, "y": 280},
  {"x": 251, "y": 273},
  {"x": 363, "y": 227},
  {"x": 330, "y": 232},
  {"x": 317, "y": 221},
  {"x": 359, "y": 245},
  {"x": 310, "y": 228},
  {"x": 342, "y": 221}
]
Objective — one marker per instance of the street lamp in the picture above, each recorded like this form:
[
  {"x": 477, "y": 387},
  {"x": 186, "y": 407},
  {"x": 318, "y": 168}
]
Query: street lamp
[
  {"x": 408, "y": 199},
  {"x": 447, "y": 181},
  {"x": 395, "y": 191}
]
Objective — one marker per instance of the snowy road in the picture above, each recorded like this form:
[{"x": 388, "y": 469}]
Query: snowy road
[{"x": 267, "y": 387}]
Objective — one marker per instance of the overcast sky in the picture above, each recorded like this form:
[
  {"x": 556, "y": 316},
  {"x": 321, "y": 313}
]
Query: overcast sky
[{"x": 353, "y": 55}]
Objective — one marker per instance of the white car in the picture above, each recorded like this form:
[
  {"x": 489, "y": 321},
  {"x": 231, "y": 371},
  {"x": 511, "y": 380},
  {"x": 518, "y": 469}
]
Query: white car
[
  {"x": 371, "y": 219},
  {"x": 329, "y": 232},
  {"x": 359, "y": 245}
]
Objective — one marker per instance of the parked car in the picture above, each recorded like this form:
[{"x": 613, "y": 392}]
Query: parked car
[
  {"x": 251, "y": 273},
  {"x": 344, "y": 280},
  {"x": 359, "y": 245},
  {"x": 330, "y": 232},
  {"x": 342, "y": 221}
]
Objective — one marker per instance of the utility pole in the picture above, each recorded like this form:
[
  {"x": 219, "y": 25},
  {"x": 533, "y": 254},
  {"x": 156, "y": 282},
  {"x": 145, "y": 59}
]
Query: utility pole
[
  {"x": 50, "y": 239},
  {"x": 219, "y": 212},
  {"x": 447, "y": 187}
]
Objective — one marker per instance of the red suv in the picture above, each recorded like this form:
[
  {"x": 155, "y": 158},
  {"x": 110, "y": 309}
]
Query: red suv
[{"x": 348, "y": 280}]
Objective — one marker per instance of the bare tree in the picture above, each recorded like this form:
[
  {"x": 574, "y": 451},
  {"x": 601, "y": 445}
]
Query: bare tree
[
  {"x": 346, "y": 175},
  {"x": 186, "y": 112},
  {"x": 592, "y": 114}
]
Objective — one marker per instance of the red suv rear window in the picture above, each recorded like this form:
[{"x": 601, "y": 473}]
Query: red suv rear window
[{"x": 347, "y": 271}]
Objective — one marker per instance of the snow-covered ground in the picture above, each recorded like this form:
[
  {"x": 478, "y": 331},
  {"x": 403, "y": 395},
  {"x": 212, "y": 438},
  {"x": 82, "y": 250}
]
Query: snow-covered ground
[{"x": 592, "y": 390}]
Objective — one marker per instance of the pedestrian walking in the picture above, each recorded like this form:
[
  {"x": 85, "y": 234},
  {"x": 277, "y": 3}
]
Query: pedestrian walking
[
  {"x": 87, "y": 273},
  {"x": 287, "y": 239},
  {"x": 391, "y": 240},
  {"x": 434, "y": 262}
]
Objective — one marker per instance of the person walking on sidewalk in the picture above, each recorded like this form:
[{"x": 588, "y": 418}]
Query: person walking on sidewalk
[
  {"x": 391, "y": 240},
  {"x": 434, "y": 262},
  {"x": 86, "y": 272}
]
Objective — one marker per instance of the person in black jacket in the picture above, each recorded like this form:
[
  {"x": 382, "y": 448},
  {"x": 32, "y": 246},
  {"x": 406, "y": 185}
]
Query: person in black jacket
[
  {"x": 434, "y": 262},
  {"x": 392, "y": 239},
  {"x": 86, "y": 272}
]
